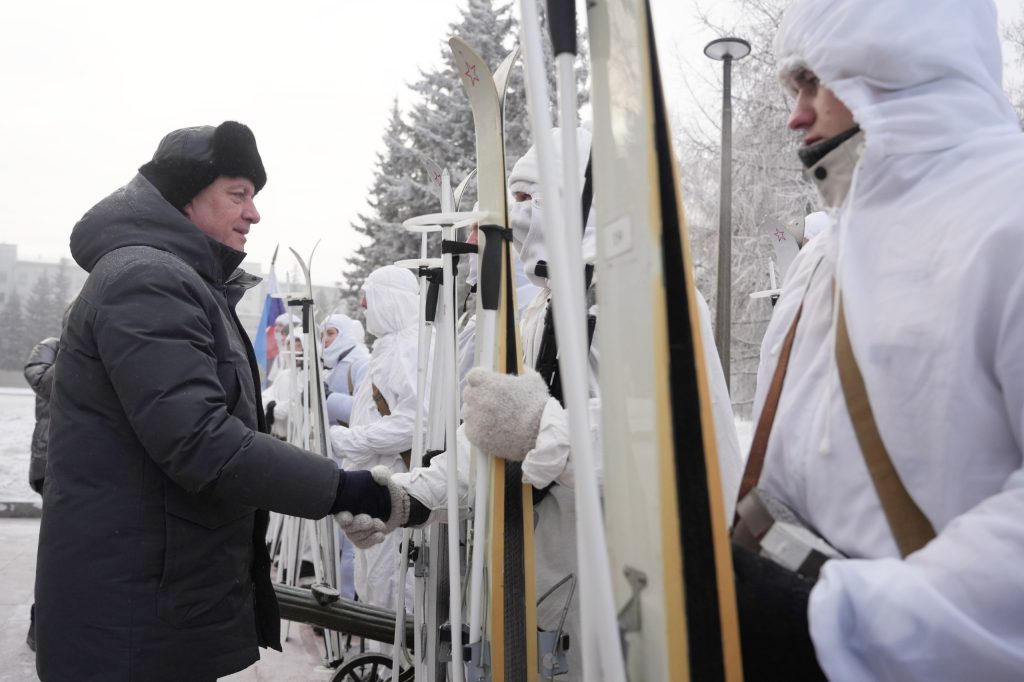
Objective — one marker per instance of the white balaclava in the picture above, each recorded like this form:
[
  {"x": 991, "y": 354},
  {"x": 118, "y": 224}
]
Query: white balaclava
[
  {"x": 343, "y": 342},
  {"x": 283, "y": 323},
  {"x": 392, "y": 300},
  {"x": 527, "y": 217}
]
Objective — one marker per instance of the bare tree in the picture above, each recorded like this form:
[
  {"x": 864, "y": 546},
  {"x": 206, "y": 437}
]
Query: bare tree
[
  {"x": 1014, "y": 35},
  {"x": 767, "y": 183}
]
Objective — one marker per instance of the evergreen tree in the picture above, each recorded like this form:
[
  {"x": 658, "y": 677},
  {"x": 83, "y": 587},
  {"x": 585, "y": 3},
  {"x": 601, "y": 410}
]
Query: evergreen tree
[
  {"x": 40, "y": 321},
  {"x": 15, "y": 343},
  {"x": 400, "y": 191},
  {"x": 62, "y": 294},
  {"x": 441, "y": 129}
]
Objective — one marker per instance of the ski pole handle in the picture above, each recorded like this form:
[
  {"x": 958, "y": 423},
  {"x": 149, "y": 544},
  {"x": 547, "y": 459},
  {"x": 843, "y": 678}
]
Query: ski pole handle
[{"x": 562, "y": 24}]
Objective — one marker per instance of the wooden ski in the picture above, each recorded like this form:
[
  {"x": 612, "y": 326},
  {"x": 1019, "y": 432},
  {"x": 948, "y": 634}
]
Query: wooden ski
[
  {"x": 668, "y": 538},
  {"x": 504, "y": 644}
]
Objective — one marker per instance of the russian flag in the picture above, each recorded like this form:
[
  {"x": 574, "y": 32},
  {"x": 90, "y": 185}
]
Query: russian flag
[{"x": 265, "y": 344}]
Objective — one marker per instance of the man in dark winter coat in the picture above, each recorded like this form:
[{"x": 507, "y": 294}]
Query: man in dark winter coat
[{"x": 152, "y": 563}]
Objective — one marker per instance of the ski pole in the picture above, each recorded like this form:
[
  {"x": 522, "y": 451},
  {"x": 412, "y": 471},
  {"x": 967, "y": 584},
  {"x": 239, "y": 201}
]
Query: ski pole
[
  {"x": 422, "y": 356},
  {"x": 451, "y": 425},
  {"x": 602, "y": 646},
  {"x": 449, "y": 222}
]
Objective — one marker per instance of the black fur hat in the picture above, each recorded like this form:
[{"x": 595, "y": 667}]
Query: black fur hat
[{"x": 189, "y": 159}]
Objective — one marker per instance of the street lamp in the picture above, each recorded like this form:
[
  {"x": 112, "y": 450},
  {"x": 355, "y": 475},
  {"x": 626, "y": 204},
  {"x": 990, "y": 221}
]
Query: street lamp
[{"x": 725, "y": 50}]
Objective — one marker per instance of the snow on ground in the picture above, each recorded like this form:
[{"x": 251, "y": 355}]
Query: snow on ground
[{"x": 17, "y": 419}]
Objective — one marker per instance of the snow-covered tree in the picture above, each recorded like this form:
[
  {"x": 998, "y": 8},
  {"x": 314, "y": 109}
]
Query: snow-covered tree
[
  {"x": 1014, "y": 35},
  {"x": 439, "y": 128},
  {"x": 40, "y": 318},
  {"x": 15, "y": 342},
  {"x": 767, "y": 184},
  {"x": 62, "y": 293},
  {"x": 399, "y": 191}
]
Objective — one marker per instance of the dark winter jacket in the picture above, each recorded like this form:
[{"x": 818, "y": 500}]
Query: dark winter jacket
[
  {"x": 152, "y": 563},
  {"x": 39, "y": 375}
]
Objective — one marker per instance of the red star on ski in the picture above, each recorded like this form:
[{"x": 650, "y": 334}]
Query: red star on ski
[
  {"x": 780, "y": 235},
  {"x": 471, "y": 74}
]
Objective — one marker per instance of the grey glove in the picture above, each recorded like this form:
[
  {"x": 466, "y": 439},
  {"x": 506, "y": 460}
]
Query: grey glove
[
  {"x": 366, "y": 531},
  {"x": 502, "y": 411},
  {"x": 362, "y": 529}
]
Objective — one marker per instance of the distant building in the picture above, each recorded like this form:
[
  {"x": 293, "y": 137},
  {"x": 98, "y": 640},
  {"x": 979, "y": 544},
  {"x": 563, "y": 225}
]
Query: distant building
[{"x": 21, "y": 275}]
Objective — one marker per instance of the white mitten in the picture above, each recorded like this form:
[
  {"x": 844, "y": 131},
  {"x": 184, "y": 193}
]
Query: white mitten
[
  {"x": 502, "y": 411},
  {"x": 400, "y": 503}
]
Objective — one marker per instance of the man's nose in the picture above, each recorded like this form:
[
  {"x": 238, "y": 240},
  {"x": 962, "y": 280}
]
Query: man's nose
[
  {"x": 250, "y": 213},
  {"x": 802, "y": 116}
]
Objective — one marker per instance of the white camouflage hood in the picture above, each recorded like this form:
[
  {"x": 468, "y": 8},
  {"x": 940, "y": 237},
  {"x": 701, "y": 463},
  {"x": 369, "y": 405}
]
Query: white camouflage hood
[
  {"x": 392, "y": 300},
  {"x": 918, "y": 75}
]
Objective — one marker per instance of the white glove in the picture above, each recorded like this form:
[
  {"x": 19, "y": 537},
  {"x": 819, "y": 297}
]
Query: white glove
[
  {"x": 502, "y": 411},
  {"x": 363, "y": 530},
  {"x": 366, "y": 531}
]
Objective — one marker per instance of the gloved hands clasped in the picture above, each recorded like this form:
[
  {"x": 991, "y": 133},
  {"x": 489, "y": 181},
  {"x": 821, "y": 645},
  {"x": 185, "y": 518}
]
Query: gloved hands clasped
[
  {"x": 369, "y": 505},
  {"x": 502, "y": 412}
]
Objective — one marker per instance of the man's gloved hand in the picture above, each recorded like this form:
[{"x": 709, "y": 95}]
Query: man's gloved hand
[
  {"x": 369, "y": 505},
  {"x": 772, "y": 604},
  {"x": 502, "y": 411}
]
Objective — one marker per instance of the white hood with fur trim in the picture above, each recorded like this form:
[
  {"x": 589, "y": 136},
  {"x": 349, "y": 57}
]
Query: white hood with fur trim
[{"x": 927, "y": 253}]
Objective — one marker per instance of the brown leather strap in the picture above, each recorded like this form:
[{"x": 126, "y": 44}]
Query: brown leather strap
[
  {"x": 910, "y": 527},
  {"x": 759, "y": 446},
  {"x": 385, "y": 411},
  {"x": 351, "y": 388},
  {"x": 378, "y": 399}
]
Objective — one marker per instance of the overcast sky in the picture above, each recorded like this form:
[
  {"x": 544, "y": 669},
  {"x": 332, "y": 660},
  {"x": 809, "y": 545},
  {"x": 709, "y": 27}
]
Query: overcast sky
[{"x": 88, "y": 90}]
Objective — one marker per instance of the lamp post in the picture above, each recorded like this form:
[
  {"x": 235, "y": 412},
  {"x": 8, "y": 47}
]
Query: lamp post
[{"x": 725, "y": 50}]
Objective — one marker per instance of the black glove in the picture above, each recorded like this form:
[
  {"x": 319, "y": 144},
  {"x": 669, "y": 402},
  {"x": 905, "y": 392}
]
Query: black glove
[
  {"x": 358, "y": 493},
  {"x": 270, "y": 414},
  {"x": 772, "y": 603}
]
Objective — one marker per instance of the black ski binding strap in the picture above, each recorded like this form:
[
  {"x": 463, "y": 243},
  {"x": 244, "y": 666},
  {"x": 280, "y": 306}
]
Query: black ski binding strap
[
  {"x": 307, "y": 304},
  {"x": 457, "y": 247}
]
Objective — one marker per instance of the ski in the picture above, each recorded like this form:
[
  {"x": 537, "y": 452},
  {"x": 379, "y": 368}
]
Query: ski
[
  {"x": 673, "y": 578},
  {"x": 322, "y": 533},
  {"x": 601, "y": 646},
  {"x": 503, "y": 645}
]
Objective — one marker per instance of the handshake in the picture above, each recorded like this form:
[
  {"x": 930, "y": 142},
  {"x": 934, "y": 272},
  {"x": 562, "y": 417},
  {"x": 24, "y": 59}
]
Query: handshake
[
  {"x": 369, "y": 505},
  {"x": 502, "y": 415}
]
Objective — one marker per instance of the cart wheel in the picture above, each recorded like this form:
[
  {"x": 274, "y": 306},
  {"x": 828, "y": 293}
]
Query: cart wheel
[{"x": 369, "y": 667}]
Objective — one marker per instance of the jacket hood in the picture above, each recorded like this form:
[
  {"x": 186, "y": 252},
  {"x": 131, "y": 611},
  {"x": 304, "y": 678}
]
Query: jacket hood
[
  {"x": 918, "y": 75},
  {"x": 137, "y": 215},
  {"x": 392, "y": 300}
]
